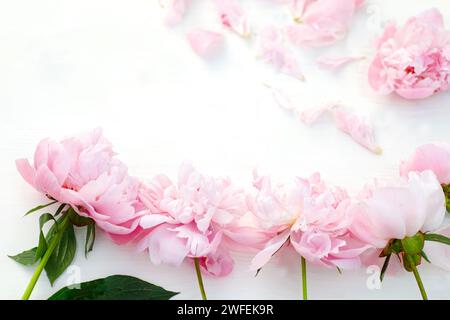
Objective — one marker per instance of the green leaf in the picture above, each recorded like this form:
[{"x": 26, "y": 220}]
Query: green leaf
[
  {"x": 90, "y": 239},
  {"x": 437, "y": 238},
  {"x": 63, "y": 254},
  {"x": 117, "y": 287},
  {"x": 27, "y": 258},
  {"x": 60, "y": 209},
  {"x": 423, "y": 254},
  {"x": 42, "y": 246},
  {"x": 78, "y": 220},
  {"x": 40, "y": 207}
]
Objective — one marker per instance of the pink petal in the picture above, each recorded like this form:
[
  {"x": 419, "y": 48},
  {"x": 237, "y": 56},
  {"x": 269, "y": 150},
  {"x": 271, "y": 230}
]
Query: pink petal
[
  {"x": 415, "y": 93},
  {"x": 26, "y": 170},
  {"x": 218, "y": 264},
  {"x": 232, "y": 16},
  {"x": 271, "y": 248},
  {"x": 335, "y": 63},
  {"x": 166, "y": 247},
  {"x": 274, "y": 51},
  {"x": 246, "y": 238},
  {"x": 356, "y": 127},
  {"x": 434, "y": 157},
  {"x": 152, "y": 220},
  {"x": 321, "y": 22},
  {"x": 310, "y": 116},
  {"x": 177, "y": 11},
  {"x": 47, "y": 183},
  {"x": 205, "y": 43}
]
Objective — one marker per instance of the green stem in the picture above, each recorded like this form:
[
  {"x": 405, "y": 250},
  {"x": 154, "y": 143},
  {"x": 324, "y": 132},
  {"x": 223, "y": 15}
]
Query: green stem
[
  {"x": 417, "y": 276},
  {"x": 199, "y": 278},
  {"x": 53, "y": 243},
  {"x": 304, "y": 283}
]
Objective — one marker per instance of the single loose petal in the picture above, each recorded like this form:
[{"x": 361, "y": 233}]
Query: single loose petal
[
  {"x": 332, "y": 63},
  {"x": 358, "y": 128},
  {"x": 273, "y": 50},
  {"x": 177, "y": 10},
  {"x": 233, "y": 17},
  {"x": 205, "y": 43}
]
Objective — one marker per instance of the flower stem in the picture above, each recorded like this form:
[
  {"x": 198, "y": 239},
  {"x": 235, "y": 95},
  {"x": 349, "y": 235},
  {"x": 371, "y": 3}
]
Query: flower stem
[
  {"x": 199, "y": 278},
  {"x": 52, "y": 246},
  {"x": 304, "y": 283},
  {"x": 417, "y": 276}
]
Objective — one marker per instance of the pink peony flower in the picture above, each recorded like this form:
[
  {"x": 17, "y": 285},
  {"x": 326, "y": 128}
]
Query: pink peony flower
[
  {"x": 434, "y": 157},
  {"x": 205, "y": 43},
  {"x": 84, "y": 173},
  {"x": 413, "y": 60},
  {"x": 310, "y": 216},
  {"x": 414, "y": 203},
  {"x": 321, "y": 22},
  {"x": 189, "y": 219}
]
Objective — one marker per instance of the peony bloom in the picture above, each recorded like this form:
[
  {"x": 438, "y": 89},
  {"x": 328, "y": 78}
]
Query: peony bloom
[
  {"x": 190, "y": 219},
  {"x": 84, "y": 173},
  {"x": 414, "y": 60},
  {"x": 434, "y": 157},
  {"x": 414, "y": 204},
  {"x": 308, "y": 215},
  {"x": 321, "y": 22}
]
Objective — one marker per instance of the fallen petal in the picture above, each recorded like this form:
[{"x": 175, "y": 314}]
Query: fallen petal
[
  {"x": 205, "y": 43},
  {"x": 337, "y": 62},
  {"x": 233, "y": 17}
]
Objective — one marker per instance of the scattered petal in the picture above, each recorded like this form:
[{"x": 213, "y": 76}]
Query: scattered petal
[
  {"x": 176, "y": 12},
  {"x": 233, "y": 17},
  {"x": 205, "y": 43},
  {"x": 273, "y": 50},
  {"x": 335, "y": 63}
]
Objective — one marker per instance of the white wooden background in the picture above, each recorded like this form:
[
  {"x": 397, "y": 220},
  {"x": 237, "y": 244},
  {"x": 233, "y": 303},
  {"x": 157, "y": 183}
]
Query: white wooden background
[{"x": 69, "y": 66}]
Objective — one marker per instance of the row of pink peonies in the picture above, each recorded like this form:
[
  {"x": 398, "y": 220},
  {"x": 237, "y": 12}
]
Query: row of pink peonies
[{"x": 204, "y": 217}]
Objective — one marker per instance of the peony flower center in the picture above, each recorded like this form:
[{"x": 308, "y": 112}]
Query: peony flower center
[{"x": 410, "y": 70}]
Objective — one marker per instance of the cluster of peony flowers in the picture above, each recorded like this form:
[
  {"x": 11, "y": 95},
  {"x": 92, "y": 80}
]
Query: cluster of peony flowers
[{"x": 202, "y": 218}]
